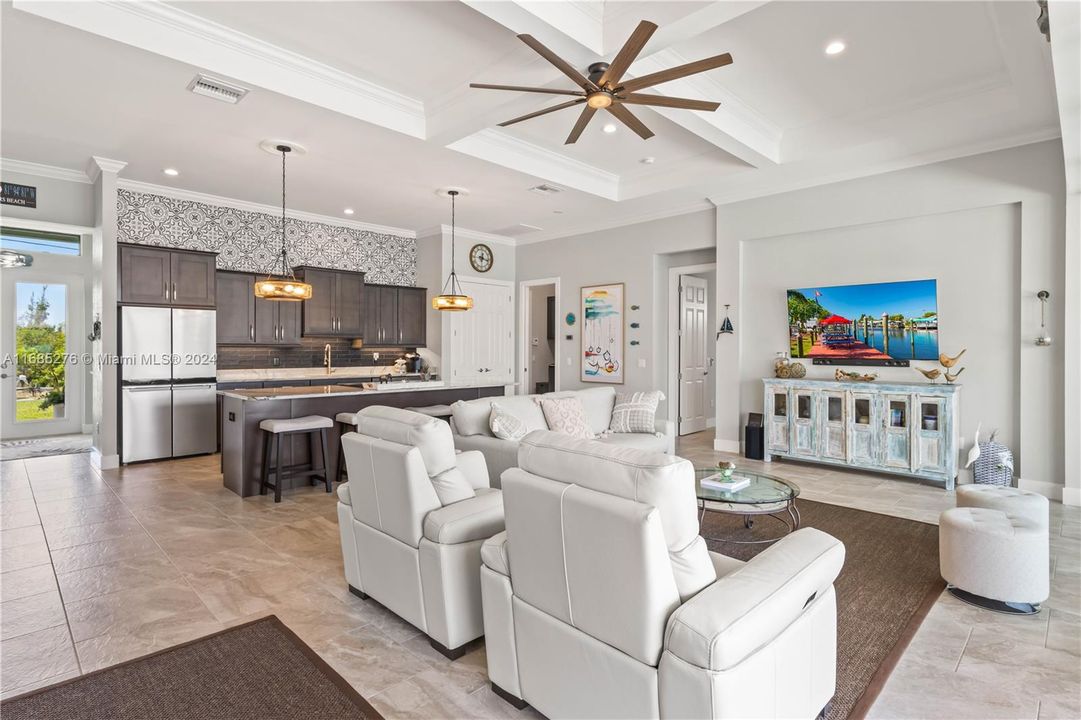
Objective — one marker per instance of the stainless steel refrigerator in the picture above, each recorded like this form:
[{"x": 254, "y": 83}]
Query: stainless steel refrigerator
[{"x": 168, "y": 382}]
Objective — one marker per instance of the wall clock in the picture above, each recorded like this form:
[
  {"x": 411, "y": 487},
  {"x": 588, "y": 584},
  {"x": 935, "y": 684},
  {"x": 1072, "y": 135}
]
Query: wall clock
[{"x": 480, "y": 257}]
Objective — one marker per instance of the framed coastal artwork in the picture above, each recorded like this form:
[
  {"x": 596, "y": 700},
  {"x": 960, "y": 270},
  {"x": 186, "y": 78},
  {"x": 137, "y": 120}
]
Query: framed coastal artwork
[{"x": 602, "y": 333}]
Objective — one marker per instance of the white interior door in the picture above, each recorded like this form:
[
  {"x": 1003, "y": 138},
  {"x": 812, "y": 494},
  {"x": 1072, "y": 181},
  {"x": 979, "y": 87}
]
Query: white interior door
[
  {"x": 41, "y": 345},
  {"x": 693, "y": 359},
  {"x": 482, "y": 339}
]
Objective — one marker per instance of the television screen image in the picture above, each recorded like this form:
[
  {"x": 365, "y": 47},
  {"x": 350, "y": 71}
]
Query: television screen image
[{"x": 878, "y": 321}]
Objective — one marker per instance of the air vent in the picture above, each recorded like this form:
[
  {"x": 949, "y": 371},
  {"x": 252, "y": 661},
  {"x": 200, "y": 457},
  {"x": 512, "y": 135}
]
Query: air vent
[
  {"x": 515, "y": 230},
  {"x": 212, "y": 87},
  {"x": 546, "y": 189}
]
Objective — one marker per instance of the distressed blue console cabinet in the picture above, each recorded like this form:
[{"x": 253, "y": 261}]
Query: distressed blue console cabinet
[{"x": 903, "y": 428}]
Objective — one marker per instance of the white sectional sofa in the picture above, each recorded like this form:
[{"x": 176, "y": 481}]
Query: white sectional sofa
[{"x": 470, "y": 426}]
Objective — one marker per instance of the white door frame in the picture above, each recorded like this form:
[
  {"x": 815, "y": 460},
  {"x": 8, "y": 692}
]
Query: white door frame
[
  {"x": 524, "y": 381},
  {"x": 74, "y": 331},
  {"x": 673, "y": 333}
]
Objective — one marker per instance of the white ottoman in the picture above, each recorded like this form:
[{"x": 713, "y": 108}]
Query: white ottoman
[
  {"x": 1007, "y": 499},
  {"x": 994, "y": 559}
]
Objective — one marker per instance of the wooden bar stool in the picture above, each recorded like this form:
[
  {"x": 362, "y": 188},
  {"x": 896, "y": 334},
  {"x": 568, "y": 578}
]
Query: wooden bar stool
[
  {"x": 347, "y": 422},
  {"x": 273, "y": 432}
]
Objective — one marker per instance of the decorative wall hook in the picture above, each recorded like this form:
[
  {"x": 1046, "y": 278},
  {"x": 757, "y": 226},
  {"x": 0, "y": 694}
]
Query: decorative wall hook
[
  {"x": 726, "y": 324},
  {"x": 95, "y": 333}
]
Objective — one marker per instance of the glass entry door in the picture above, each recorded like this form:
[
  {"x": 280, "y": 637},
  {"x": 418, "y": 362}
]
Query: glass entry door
[{"x": 41, "y": 344}]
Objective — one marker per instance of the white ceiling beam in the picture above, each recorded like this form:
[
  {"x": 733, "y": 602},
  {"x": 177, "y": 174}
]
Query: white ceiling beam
[
  {"x": 1066, "y": 58},
  {"x": 165, "y": 30}
]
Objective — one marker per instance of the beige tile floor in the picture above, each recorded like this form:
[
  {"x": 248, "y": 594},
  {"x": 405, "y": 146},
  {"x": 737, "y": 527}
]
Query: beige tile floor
[{"x": 98, "y": 568}]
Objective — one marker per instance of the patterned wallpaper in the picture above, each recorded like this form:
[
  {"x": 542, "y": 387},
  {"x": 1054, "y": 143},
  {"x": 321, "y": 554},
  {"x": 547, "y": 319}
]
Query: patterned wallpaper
[{"x": 251, "y": 241}]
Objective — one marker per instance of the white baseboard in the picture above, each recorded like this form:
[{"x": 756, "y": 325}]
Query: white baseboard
[
  {"x": 1071, "y": 496},
  {"x": 728, "y": 446},
  {"x": 1049, "y": 490},
  {"x": 104, "y": 462}
]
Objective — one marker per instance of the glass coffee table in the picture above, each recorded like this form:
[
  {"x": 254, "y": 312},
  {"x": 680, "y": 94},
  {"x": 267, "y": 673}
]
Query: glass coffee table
[{"x": 766, "y": 495}]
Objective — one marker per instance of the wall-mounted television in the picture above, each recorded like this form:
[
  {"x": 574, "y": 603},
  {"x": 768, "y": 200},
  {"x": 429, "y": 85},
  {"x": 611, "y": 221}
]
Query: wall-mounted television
[{"x": 872, "y": 324}]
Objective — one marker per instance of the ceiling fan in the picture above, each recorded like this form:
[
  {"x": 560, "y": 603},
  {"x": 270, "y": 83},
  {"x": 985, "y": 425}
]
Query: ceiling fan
[{"x": 604, "y": 88}]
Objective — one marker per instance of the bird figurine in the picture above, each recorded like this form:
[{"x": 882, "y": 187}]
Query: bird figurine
[
  {"x": 950, "y": 377},
  {"x": 949, "y": 362},
  {"x": 932, "y": 374},
  {"x": 974, "y": 451}
]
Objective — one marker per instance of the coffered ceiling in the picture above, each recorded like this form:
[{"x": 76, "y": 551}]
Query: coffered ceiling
[{"x": 378, "y": 93}]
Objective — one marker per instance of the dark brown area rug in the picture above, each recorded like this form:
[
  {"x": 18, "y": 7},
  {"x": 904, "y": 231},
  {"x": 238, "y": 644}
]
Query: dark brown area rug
[
  {"x": 257, "y": 671},
  {"x": 888, "y": 584}
]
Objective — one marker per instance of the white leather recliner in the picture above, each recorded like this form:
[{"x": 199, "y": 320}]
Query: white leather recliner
[
  {"x": 412, "y": 518},
  {"x": 602, "y": 601}
]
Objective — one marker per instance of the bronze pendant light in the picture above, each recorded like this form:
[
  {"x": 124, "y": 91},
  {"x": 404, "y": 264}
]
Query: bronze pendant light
[
  {"x": 452, "y": 298},
  {"x": 286, "y": 286}
]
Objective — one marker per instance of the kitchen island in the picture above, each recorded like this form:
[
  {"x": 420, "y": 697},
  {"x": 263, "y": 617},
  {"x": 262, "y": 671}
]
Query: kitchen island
[{"x": 243, "y": 410}]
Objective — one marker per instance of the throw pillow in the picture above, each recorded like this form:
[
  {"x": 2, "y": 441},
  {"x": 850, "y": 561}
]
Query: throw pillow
[
  {"x": 636, "y": 412},
  {"x": 505, "y": 425},
  {"x": 565, "y": 415}
]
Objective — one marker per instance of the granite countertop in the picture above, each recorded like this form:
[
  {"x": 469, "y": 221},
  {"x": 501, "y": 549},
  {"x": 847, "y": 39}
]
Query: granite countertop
[
  {"x": 298, "y": 393},
  {"x": 316, "y": 373}
]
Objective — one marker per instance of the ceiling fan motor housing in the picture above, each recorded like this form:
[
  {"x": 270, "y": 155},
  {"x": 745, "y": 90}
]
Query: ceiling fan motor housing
[{"x": 596, "y": 70}]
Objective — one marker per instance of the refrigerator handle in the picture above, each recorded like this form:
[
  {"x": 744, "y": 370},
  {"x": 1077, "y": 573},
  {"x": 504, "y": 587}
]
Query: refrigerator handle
[{"x": 251, "y": 332}]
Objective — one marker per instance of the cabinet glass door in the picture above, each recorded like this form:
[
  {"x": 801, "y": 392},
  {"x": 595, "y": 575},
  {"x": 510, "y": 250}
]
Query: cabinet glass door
[
  {"x": 833, "y": 425},
  {"x": 897, "y": 439},
  {"x": 861, "y": 422},
  {"x": 778, "y": 420},
  {"x": 803, "y": 424},
  {"x": 930, "y": 433}
]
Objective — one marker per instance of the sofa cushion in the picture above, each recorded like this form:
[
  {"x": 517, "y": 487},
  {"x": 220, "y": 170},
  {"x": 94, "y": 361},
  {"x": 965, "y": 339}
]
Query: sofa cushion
[
  {"x": 506, "y": 425},
  {"x": 635, "y": 412},
  {"x": 596, "y": 403},
  {"x": 476, "y": 518},
  {"x": 473, "y": 417},
  {"x": 565, "y": 415},
  {"x": 664, "y": 481},
  {"x": 642, "y": 441}
]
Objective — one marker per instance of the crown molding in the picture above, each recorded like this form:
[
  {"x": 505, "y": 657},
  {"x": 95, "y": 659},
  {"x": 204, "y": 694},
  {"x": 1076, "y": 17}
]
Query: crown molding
[
  {"x": 194, "y": 196},
  {"x": 684, "y": 209},
  {"x": 99, "y": 165},
  {"x": 504, "y": 149},
  {"x": 46, "y": 171},
  {"x": 466, "y": 234},
  {"x": 166, "y": 30}
]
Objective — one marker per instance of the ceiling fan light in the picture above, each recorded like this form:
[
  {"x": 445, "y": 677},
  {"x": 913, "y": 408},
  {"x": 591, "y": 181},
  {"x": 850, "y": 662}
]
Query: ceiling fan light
[{"x": 599, "y": 100}]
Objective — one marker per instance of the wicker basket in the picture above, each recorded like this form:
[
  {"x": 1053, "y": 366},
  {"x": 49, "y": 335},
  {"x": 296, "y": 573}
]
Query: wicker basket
[{"x": 995, "y": 465}]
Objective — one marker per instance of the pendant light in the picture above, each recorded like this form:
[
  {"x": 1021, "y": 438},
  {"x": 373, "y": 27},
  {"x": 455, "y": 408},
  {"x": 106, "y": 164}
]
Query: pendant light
[
  {"x": 286, "y": 286},
  {"x": 452, "y": 298}
]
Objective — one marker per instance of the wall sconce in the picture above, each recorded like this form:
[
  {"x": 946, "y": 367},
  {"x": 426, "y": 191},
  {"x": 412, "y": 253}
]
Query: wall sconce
[
  {"x": 1043, "y": 340},
  {"x": 726, "y": 325}
]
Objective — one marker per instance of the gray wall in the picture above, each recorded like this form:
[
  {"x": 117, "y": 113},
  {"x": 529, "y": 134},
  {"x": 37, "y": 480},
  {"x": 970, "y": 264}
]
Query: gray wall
[
  {"x": 990, "y": 228},
  {"x": 628, "y": 255},
  {"x": 59, "y": 201}
]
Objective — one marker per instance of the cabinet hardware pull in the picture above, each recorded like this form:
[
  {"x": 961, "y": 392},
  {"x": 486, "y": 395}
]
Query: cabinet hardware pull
[
  {"x": 174, "y": 291},
  {"x": 251, "y": 332}
]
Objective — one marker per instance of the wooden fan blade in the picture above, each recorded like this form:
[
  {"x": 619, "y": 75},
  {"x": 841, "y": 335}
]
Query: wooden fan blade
[
  {"x": 566, "y": 68},
  {"x": 626, "y": 117},
  {"x": 519, "y": 88},
  {"x": 627, "y": 53},
  {"x": 545, "y": 111},
  {"x": 665, "y": 101},
  {"x": 675, "y": 73},
  {"x": 583, "y": 120}
]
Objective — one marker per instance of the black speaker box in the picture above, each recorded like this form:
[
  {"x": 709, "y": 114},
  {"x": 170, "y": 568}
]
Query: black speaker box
[{"x": 753, "y": 442}]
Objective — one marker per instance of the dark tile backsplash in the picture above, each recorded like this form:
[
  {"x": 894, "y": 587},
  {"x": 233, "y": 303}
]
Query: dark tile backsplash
[{"x": 308, "y": 354}]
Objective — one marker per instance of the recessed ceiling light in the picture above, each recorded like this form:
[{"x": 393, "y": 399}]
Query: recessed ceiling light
[
  {"x": 558, "y": 212},
  {"x": 348, "y": 211},
  {"x": 609, "y": 128},
  {"x": 171, "y": 172},
  {"x": 835, "y": 48},
  {"x": 648, "y": 160}
]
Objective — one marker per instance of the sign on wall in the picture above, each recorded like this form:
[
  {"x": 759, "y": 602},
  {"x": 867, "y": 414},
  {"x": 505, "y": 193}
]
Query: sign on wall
[
  {"x": 602, "y": 333},
  {"x": 21, "y": 195}
]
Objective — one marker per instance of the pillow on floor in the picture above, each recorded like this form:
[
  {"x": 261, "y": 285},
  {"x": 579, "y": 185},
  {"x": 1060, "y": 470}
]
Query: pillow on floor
[
  {"x": 566, "y": 415},
  {"x": 505, "y": 425},
  {"x": 636, "y": 412}
]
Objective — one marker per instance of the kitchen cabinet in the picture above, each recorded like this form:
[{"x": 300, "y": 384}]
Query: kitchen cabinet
[
  {"x": 244, "y": 319},
  {"x": 163, "y": 276},
  {"x": 904, "y": 428},
  {"x": 336, "y": 307},
  {"x": 395, "y": 316}
]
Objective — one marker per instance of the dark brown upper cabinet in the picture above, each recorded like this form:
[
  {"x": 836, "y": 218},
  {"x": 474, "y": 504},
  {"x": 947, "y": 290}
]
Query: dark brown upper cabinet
[
  {"x": 395, "y": 316},
  {"x": 244, "y": 319},
  {"x": 162, "y": 276},
  {"x": 336, "y": 307}
]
